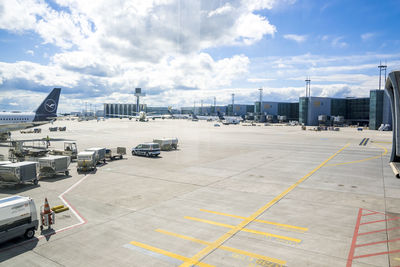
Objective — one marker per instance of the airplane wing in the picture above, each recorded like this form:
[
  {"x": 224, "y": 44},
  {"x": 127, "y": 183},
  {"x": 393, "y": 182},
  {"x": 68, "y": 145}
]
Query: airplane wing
[{"x": 4, "y": 128}]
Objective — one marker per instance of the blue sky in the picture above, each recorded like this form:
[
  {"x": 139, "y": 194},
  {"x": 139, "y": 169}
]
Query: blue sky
[{"x": 183, "y": 51}]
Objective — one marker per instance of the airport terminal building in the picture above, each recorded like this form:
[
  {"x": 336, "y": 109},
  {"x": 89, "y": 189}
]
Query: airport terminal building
[
  {"x": 113, "y": 110},
  {"x": 290, "y": 110},
  {"x": 372, "y": 111}
]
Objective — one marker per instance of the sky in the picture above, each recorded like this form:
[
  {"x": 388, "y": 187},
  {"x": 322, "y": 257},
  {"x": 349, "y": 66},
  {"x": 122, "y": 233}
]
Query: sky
[{"x": 182, "y": 52}]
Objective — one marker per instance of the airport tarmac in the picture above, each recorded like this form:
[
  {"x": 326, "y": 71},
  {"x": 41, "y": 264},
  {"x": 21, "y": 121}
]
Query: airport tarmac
[{"x": 229, "y": 196}]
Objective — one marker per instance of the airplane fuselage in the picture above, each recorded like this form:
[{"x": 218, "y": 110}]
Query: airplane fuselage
[{"x": 16, "y": 117}]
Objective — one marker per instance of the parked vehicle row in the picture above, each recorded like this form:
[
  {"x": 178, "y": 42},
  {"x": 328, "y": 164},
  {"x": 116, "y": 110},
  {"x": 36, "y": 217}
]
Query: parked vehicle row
[{"x": 153, "y": 149}]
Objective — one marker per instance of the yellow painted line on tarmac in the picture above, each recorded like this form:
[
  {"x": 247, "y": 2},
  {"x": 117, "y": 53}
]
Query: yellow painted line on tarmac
[
  {"x": 245, "y": 229},
  {"x": 230, "y": 249},
  {"x": 303, "y": 229},
  {"x": 385, "y": 151},
  {"x": 217, "y": 243},
  {"x": 167, "y": 253}
]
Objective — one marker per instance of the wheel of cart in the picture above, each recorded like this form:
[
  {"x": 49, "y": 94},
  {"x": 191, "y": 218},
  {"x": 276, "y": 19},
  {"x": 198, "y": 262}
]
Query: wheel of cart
[
  {"x": 66, "y": 172},
  {"x": 35, "y": 182}
]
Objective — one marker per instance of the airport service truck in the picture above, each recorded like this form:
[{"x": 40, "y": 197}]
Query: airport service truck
[
  {"x": 18, "y": 217},
  {"x": 70, "y": 149},
  {"x": 86, "y": 160}
]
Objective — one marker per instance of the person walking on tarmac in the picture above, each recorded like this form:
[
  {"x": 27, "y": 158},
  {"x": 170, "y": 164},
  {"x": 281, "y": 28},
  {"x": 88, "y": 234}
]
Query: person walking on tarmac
[{"x": 48, "y": 141}]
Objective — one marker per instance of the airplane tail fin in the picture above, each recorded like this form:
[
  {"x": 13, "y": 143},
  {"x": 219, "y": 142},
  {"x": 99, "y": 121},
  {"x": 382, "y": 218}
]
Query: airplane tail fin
[
  {"x": 48, "y": 108},
  {"x": 220, "y": 116},
  {"x": 194, "y": 116},
  {"x": 170, "y": 111}
]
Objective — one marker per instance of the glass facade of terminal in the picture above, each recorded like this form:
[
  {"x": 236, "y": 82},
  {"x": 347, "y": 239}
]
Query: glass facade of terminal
[
  {"x": 357, "y": 110},
  {"x": 112, "y": 110},
  {"x": 303, "y": 110},
  {"x": 338, "y": 107},
  {"x": 376, "y": 109},
  {"x": 290, "y": 110}
]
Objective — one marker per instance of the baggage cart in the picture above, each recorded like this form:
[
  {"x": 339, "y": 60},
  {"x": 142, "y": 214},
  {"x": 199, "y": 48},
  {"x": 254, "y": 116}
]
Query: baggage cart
[
  {"x": 50, "y": 166},
  {"x": 19, "y": 173}
]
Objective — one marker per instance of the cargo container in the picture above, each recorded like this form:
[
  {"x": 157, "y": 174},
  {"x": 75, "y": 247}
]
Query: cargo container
[
  {"x": 100, "y": 153},
  {"x": 18, "y": 217},
  {"x": 50, "y": 166},
  {"x": 167, "y": 143},
  {"x": 86, "y": 161},
  {"x": 19, "y": 173}
]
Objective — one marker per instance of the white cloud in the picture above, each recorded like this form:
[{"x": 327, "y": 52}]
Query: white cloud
[
  {"x": 109, "y": 47},
  {"x": 221, "y": 10},
  {"x": 338, "y": 42},
  {"x": 30, "y": 52},
  {"x": 367, "y": 36},
  {"x": 259, "y": 80},
  {"x": 295, "y": 37}
]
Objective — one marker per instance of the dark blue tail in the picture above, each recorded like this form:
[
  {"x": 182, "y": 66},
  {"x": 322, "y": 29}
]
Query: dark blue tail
[
  {"x": 220, "y": 116},
  {"x": 48, "y": 109}
]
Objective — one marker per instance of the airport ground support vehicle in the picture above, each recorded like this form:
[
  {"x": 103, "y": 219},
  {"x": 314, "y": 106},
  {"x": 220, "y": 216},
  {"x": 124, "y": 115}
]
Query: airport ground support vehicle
[
  {"x": 19, "y": 173},
  {"x": 50, "y": 166},
  {"x": 147, "y": 149},
  {"x": 70, "y": 149},
  {"x": 115, "y": 153},
  {"x": 100, "y": 153},
  {"x": 18, "y": 217},
  {"x": 167, "y": 144},
  {"x": 86, "y": 161}
]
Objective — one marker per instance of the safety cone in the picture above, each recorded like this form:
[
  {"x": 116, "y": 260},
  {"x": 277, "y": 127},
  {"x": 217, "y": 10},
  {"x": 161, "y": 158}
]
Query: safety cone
[{"x": 47, "y": 211}]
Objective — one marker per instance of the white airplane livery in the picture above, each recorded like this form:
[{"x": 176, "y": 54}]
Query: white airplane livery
[{"x": 47, "y": 111}]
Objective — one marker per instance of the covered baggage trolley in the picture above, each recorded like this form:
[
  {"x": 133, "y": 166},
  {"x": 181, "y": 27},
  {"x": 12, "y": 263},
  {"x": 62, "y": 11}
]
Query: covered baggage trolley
[
  {"x": 18, "y": 173},
  {"x": 50, "y": 166},
  {"x": 167, "y": 143}
]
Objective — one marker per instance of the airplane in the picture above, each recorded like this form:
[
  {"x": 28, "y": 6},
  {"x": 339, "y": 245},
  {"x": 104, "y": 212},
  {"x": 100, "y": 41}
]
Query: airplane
[
  {"x": 178, "y": 116},
  {"x": 46, "y": 112},
  {"x": 226, "y": 120},
  {"x": 142, "y": 116}
]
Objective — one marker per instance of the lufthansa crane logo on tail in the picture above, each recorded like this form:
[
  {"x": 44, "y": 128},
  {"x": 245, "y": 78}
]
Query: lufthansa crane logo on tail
[{"x": 50, "y": 105}]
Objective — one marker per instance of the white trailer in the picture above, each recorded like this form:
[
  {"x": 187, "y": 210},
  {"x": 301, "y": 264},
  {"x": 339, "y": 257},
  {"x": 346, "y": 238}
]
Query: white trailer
[
  {"x": 100, "y": 153},
  {"x": 115, "y": 153},
  {"x": 51, "y": 165},
  {"x": 18, "y": 217},
  {"x": 167, "y": 143},
  {"x": 19, "y": 173}
]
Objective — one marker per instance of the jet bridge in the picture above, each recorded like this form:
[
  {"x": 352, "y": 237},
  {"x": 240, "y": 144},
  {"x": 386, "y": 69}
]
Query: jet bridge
[{"x": 392, "y": 88}]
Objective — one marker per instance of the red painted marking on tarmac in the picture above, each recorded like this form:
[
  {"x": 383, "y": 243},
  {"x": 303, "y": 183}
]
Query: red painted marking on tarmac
[
  {"x": 392, "y": 219},
  {"x": 356, "y": 234},
  {"x": 372, "y": 213},
  {"x": 377, "y": 231},
  {"x": 378, "y": 212},
  {"x": 377, "y": 254},
  {"x": 353, "y": 242},
  {"x": 378, "y": 242}
]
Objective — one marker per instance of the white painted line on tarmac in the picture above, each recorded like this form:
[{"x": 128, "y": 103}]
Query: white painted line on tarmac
[{"x": 71, "y": 208}]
